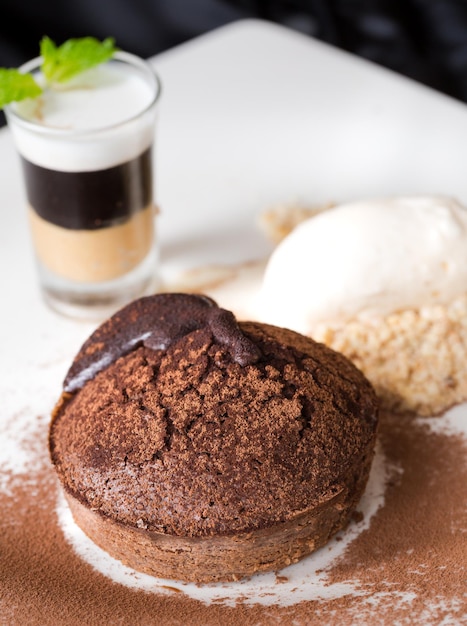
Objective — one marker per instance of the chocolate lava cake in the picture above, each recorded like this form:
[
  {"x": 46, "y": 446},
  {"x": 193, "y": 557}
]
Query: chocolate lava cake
[{"x": 194, "y": 447}]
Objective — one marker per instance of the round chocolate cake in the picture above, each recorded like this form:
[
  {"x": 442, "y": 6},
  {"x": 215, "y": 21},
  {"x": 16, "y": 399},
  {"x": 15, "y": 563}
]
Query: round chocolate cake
[{"x": 194, "y": 447}]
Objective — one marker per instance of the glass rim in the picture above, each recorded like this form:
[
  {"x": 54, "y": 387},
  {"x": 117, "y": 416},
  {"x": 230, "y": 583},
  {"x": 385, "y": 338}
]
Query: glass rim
[{"x": 120, "y": 55}]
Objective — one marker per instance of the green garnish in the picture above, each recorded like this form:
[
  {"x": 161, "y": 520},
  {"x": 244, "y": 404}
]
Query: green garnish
[
  {"x": 59, "y": 65},
  {"x": 73, "y": 57},
  {"x": 15, "y": 86}
]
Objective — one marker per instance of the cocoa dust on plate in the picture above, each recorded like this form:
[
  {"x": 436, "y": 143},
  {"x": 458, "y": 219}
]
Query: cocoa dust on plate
[{"x": 409, "y": 567}]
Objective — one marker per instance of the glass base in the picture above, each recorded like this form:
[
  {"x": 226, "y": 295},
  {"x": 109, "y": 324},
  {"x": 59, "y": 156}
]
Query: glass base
[
  {"x": 90, "y": 307},
  {"x": 98, "y": 301}
]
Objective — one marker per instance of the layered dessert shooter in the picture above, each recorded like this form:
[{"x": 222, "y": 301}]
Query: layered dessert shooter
[
  {"x": 86, "y": 149},
  {"x": 383, "y": 281},
  {"x": 194, "y": 447}
]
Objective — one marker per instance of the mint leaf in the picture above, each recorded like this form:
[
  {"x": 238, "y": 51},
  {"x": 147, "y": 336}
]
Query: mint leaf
[
  {"x": 60, "y": 64},
  {"x": 15, "y": 86}
]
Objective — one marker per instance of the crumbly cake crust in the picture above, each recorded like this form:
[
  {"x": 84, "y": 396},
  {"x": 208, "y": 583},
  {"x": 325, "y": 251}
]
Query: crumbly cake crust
[
  {"x": 415, "y": 359},
  {"x": 278, "y": 221}
]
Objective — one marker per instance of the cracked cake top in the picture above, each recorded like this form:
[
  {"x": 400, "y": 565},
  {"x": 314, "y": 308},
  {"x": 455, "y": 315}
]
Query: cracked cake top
[{"x": 178, "y": 419}]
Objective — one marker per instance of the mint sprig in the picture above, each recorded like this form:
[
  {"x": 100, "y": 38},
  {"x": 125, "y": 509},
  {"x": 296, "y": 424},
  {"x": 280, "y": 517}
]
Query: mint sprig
[{"x": 59, "y": 65}]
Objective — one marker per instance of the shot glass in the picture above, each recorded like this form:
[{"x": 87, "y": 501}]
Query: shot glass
[{"x": 87, "y": 158}]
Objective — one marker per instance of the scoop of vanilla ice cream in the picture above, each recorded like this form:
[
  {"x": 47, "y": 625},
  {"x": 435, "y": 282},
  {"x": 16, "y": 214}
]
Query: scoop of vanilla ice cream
[{"x": 365, "y": 259}]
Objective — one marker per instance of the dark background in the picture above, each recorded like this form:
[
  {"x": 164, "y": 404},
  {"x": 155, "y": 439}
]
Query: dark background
[{"x": 423, "y": 39}]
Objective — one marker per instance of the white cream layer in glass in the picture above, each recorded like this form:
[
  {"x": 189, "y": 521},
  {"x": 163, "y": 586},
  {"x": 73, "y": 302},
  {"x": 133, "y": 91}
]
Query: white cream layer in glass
[
  {"x": 366, "y": 259},
  {"x": 102, "y": 113}
]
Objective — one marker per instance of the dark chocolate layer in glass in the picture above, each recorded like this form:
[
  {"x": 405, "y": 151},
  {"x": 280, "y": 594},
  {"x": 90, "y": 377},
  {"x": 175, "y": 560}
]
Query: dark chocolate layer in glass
[{"x": 90, "y": 200}]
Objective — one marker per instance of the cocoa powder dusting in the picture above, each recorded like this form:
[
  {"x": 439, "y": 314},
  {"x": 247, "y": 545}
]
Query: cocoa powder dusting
[
  {"x": 206, "y": 446},
  {"x": 408, "y": 567},
  {"x": 416, "y": 547}
]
